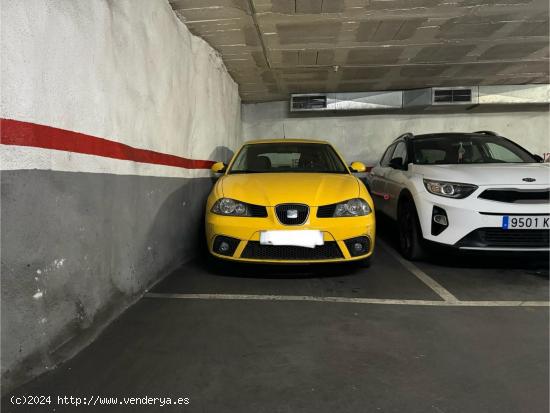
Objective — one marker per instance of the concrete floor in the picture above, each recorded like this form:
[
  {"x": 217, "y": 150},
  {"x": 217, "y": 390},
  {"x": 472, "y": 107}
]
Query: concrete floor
[{"x": 303, "y": 354}]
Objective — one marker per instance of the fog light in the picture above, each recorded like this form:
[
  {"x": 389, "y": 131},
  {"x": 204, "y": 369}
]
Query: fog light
[
  {"x": 358, "y": 246},
  {"x": 441, "y": 220},
  {"x": 225, "y": 245}
]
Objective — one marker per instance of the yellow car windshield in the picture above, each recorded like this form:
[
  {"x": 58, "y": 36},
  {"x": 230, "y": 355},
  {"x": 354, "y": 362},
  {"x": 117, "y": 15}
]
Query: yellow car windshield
[{"x": 288, "y": 157}]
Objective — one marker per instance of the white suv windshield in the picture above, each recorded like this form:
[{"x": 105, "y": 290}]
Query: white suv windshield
[{"x": 467, "y": 149}]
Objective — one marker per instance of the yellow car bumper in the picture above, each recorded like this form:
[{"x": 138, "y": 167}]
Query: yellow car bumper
[{"x": 245, "y": 231}]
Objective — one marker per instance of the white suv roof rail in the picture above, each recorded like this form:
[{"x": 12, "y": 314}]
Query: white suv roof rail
[
  {"x": 404, "y": 135},
  {"x": 486, "y": 132}
]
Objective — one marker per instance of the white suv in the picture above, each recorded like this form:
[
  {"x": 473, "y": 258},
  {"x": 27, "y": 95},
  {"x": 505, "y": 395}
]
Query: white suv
[{"x": 476, "y": 191}]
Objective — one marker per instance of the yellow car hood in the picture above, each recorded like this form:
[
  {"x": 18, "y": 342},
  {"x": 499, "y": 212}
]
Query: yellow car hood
[{"x": 271, "y": 189}]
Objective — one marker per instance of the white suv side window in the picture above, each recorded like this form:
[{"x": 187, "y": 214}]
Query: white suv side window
[
  {"x": 385, "y": 161},
  {"x": 400, "y": 152}
]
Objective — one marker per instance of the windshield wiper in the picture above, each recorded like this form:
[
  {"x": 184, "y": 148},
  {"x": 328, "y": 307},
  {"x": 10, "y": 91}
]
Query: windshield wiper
[
  {"x": 246, "y": 171},
  {"x": 292, "y": 171}
]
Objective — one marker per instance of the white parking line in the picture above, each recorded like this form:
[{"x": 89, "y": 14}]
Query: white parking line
[
  {"x": 421, "y": 275},
  {"x": 448, "y": 299},
  {"x": 262, "y": 297}
]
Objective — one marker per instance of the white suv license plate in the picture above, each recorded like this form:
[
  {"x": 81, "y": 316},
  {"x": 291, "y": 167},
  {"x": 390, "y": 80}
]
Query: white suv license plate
[{"x": 525, "y": 222}]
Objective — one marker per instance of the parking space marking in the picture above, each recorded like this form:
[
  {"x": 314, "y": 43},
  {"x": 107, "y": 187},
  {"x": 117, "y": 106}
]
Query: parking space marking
[
  {"x": 447, "y": 298},
  {"x": 350, "y": 300},
  {"x": 421, "y": 275}
]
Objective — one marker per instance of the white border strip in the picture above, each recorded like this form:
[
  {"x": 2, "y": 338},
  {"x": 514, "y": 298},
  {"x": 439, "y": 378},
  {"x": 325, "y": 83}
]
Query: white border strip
[
  {"x": 14, "y": 157},
  {"x": 421, "y": 275},
  {"x": 308, "y": 298}
]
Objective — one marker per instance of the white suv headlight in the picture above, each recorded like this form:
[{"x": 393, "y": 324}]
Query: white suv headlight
[
  {"x": 228, "y": 206},
  {"x": 449, "y": 189},
  {"x": 352, "y": 208}
]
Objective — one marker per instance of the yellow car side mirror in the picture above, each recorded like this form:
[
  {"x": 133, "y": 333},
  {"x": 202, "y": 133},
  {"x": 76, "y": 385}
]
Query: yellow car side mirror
[
  {"x": 218, "y": 168},
  {"x": 358, "y": 167}
]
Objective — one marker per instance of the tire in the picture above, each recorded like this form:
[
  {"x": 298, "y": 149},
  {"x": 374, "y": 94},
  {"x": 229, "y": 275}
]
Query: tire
[{"x": 411, "y": 242}]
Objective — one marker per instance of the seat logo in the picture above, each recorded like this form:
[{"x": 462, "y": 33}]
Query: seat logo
[
  {"x": 292, "y": 214},
  {"x": 529, "y": 179}
]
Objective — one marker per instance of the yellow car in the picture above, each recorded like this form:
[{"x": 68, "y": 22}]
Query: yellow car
[{"x": 289, "y": 201}]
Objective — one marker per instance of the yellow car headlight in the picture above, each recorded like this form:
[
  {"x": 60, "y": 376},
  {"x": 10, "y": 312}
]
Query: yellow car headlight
[
  {"x": 231, "y": 207},
  {"x": 355, "y": 207}
]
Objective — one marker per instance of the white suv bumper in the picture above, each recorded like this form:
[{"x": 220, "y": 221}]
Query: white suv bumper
[{"x": 475, "y": 223}]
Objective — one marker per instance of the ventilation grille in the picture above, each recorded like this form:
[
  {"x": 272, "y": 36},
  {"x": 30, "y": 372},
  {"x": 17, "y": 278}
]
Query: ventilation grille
[
  {"x": 308, "y": 102},
  {"x": 499, "y": 237},
  {"x": 257, "y": 211},
  {"x": 257, "y": 251},
  {"x": 452, "y": 96},
  {"x": 326, "y": 211},
  {"x": 504, "y": 238},
  {"x": 533, "y": 196},
  {"x": 292, "y": 214}
]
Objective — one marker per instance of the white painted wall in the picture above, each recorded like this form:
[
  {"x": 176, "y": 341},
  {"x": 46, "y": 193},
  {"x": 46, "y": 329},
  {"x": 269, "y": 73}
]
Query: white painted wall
[
  {"x": 79, "y": 246},
  {"x": 364, "y": 137},
  {"x": 127, "y": 70}
]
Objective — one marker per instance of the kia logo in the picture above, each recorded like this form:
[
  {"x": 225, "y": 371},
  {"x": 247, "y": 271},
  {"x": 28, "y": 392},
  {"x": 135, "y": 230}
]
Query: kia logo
[
  {"x": 529, "y": 179},
  {"x": 292, "y": 214}
]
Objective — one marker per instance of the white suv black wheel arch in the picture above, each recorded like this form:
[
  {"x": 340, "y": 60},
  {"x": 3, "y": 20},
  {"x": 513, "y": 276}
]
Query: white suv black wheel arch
[{"x": 411, "y": 241}]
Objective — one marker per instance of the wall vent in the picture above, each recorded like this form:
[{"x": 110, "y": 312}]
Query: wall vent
[
  {"x": 452, "y": 96},
  {"x": 308, "y": 102},
  {"x": 455, "y": 95},
  {"x": 346, "y": 101},
  {"x": 431, "y": 98},
  {"x": 441, "y": 96}
]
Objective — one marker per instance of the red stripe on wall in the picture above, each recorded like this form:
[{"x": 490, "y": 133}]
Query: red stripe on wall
[{"x": 14, "y": 132}]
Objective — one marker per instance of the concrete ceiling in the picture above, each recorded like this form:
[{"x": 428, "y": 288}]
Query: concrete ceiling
[{"x": 276, "y": 47}]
